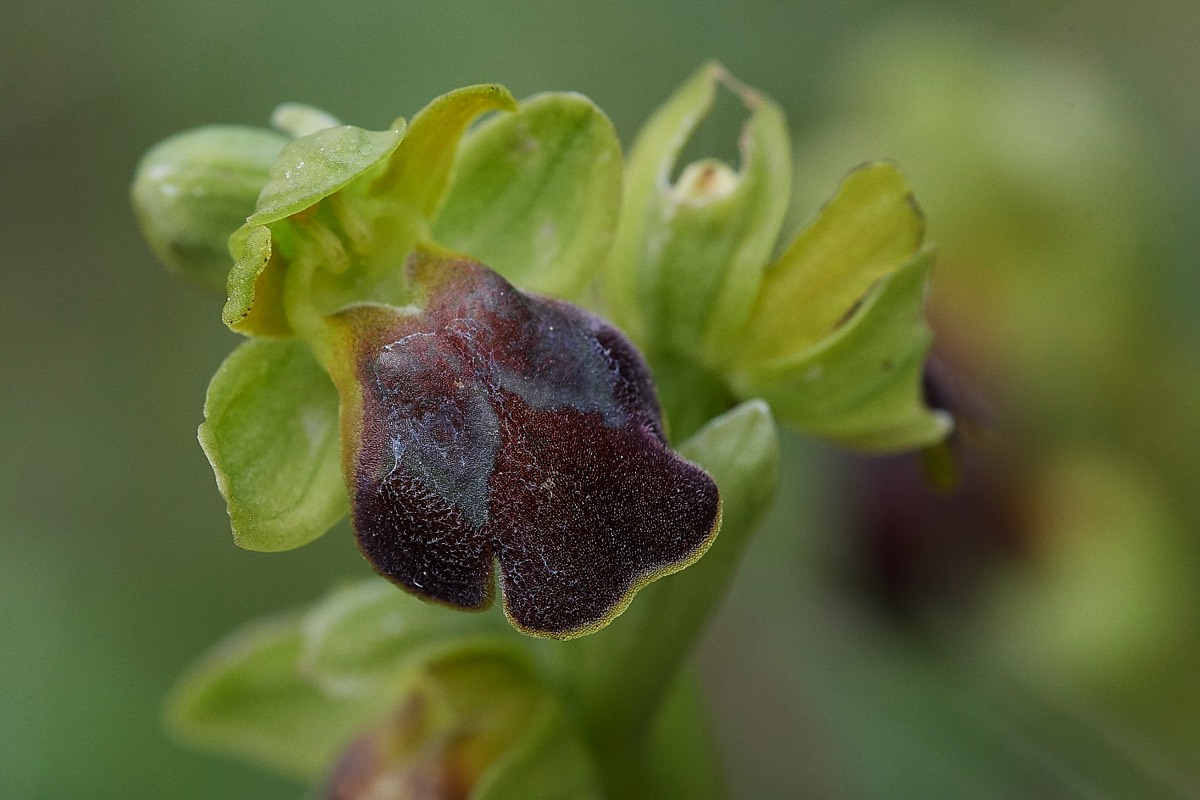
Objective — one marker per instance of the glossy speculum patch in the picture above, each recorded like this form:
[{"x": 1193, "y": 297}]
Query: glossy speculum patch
[{"x": 502, "y": 428}]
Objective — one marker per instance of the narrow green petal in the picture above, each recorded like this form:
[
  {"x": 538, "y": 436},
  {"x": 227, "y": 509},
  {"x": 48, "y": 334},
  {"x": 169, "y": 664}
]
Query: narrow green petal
[
  {"x": 271, "y": 434},
  {"x": 871, "y": 228},
  {"x": 860, "y": 386},
  {"x": 688, "y": 259},
  {"x": 536, "y": 194}
]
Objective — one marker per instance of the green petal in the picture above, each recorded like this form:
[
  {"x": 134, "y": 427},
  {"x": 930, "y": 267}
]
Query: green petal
[
  {"x": 861, "y": 385},
  {"x": 194, "y": 189},
  {"x": 271, "y": 434},
  {"x": 537, "y": 194},
  {"x": 308, "y": 170},
  {"x": 247, "y": 698},
  {"x": 871, "y": 228},
  {"x": 689, "y": 255}
]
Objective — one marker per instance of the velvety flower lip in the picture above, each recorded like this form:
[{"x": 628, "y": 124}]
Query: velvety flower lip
[{"x": 499, "y": 427}]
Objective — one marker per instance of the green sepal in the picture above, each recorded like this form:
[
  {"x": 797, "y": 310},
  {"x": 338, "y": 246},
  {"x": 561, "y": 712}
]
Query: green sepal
[
  {"x": 860, "y": 386},
  {"x": 740, "y": 449},
  {"x": 247, "y": 698},
  {"x": 868, "y": 230},
  {"x": 194, "y": 189},
  {"x": 688, "y": 258},
  {"x": 537, "y": 194},
  {"x": 271, "y": 434}
]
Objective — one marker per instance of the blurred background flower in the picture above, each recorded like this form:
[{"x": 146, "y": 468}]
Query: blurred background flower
[{"x": 1032, "y": 637}]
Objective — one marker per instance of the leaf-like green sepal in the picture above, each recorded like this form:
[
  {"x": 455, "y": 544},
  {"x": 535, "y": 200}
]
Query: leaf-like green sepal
[
  {"x": 536, "y": 194},
  {"x": 419, "y": 176},
  {"x": 861, "y": 384},
  {"x": 271, "y": 434},
  {"x": 496, "y": 426},
  {"x": 193, "y": 190},
  {"x": 689, "y": 254}
]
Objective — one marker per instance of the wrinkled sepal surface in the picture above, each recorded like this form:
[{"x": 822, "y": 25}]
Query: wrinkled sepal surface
[{"x": 499, "y": 428}]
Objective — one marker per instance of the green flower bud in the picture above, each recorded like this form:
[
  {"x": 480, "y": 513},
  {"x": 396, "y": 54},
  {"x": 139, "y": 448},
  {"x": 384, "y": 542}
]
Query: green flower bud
[{"x": 194, "y": 189}]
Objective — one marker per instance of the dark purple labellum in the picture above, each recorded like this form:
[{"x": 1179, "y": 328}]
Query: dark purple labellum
[{"x": 500, "y": 427}]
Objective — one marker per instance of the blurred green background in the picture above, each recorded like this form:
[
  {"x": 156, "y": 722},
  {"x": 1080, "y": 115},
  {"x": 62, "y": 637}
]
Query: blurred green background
[{"x": 1035, "y": 638}]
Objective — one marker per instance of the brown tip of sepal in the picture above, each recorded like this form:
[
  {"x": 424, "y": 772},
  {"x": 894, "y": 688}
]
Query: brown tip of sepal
[{"x": 517, "y": 433}]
